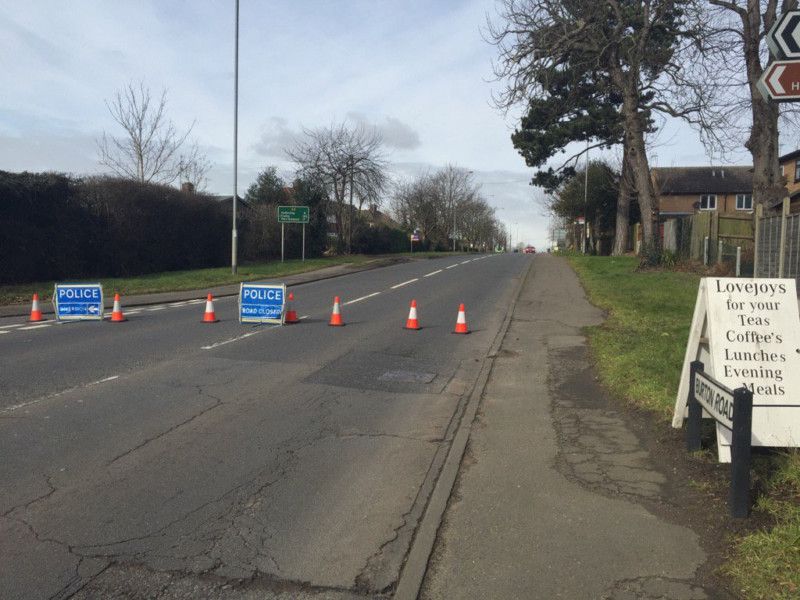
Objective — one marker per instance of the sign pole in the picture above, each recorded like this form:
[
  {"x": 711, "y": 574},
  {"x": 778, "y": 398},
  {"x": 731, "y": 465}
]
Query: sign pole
[
  {"x": 282, "y": 226},
  {"x": 304, "y": 242},
  {"x": 739, "y": 498}
]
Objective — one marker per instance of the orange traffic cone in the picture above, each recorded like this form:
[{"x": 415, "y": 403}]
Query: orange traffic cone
[
  {"x": 336, "y": 315},
  {"x": 461, "y": 321},
  {"x": 116, "y": 313},
  {"x": 291, "y": 314},
  {"x": 36, "y": 313},
  {"x": 412, "y": 322},
  {"x": 210, "y": 316}
]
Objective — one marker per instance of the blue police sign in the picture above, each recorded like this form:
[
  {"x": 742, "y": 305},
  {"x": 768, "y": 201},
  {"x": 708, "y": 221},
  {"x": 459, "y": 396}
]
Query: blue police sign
[
  {"x": 78, "y": 301},
  {"x": 261, "y": 302}
]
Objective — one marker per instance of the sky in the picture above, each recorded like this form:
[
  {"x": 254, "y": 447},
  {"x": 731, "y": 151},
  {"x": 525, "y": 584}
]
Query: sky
[{"x": 418, "y": 71}]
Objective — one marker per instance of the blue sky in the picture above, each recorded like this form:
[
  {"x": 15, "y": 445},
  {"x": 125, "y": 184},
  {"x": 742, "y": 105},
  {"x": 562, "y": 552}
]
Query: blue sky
[{"x": 420, "y": 71}]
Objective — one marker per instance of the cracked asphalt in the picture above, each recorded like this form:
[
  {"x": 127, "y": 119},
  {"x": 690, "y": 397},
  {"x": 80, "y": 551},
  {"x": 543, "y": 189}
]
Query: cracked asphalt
[{"x": 165, "y": 458}]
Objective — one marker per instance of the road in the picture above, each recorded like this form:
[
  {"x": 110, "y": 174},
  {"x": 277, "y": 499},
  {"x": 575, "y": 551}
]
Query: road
[{"x": 239, "y": 461}]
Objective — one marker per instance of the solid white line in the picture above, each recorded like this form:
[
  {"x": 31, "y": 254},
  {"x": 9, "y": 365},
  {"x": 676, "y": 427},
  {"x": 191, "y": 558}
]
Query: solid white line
[
  {"x": 134, "y": 312},
  {"x": 200, "y": 301},
  {"x": 453, "y": 266},
  {"x": 236, "y": 339},
  {"x": 10, "y": 326},
  {"x": 33, "y": 327},
  {"x": 463, "y": 262},
  {"x": 184, "y": 303},
  {"x": 394, "y": 287},
  {"x": 155, "y": 308},
  {"x": 360, "y": 299},
  {"x": 1, "y": 331},
  {"x": 112, "y": 378},
  {"x": 434, "y": 273}
]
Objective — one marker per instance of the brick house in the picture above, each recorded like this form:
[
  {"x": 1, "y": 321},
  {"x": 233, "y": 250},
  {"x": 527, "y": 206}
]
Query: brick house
[{"x": 685, "y": 191}]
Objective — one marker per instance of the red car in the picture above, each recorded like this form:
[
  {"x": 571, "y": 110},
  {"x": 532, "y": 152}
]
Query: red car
[{"x": 529, "y": 250}]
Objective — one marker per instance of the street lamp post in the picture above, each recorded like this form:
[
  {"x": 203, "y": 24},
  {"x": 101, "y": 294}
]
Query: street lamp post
[{"x": 234, "y": 234}]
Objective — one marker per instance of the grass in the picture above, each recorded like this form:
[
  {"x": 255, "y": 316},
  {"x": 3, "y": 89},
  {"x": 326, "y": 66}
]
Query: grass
[
  {"x": 197, "y": 279},
  {"x": 639, "y": 352}
]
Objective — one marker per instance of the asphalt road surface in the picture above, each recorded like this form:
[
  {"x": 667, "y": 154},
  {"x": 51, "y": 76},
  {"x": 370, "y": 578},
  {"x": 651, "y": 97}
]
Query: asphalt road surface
[{"x": 255, "y": 461}]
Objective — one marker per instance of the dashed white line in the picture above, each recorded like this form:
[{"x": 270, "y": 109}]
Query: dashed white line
[
  {"x": 230, "y": 341},
  {"x": 199, "y": 301},
  {"x": 463, "y": 262},
  {"x": 453, "y": 266},
  {"x": 1, "y": 331},
  {"x": 399, "y": 285},
  {"x": 33, "y": 327},
  {"x": 10, "y": 326},
  {"x": 360, "y": 299},
  {"x": 134, "y": 312},
  {"x": 155, "y": 308},
  {"x": 57, "y": 394},
  {"x": 433, "y": 273},
  {"x": 184, "y": 303}
]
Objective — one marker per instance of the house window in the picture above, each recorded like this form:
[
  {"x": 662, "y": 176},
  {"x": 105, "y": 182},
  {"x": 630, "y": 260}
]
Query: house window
[
  {"x": 744, "y": 202},
  {"x": 797, "y": 170},
  {"x": 708, "y": 202}
]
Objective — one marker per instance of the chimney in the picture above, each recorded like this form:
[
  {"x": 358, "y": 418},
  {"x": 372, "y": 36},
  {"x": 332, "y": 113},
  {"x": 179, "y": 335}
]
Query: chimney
[{"x": 187, "y": 187}]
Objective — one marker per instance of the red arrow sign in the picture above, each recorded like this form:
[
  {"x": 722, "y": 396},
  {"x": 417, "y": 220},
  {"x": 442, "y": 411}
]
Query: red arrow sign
[{"x": 781, "y": 80}]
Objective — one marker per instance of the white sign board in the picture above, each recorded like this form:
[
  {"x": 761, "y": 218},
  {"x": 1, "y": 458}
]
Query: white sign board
[
  {"x": 747, "y": 333},
  {"x": 717, "y": 401}
]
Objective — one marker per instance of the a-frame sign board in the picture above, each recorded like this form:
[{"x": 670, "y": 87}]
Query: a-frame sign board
[{"x": 747, "y": 332}]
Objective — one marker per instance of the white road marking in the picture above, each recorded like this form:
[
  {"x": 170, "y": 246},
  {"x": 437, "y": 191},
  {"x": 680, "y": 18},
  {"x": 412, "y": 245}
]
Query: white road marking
[
  {"x": 155, "y": 308},
  {"x": 134, "y": 312},
  {"x": 303, "y": 317},
  {"x": 200, "y": 301},
  {"x": 360, "y": 299},
  {"x": 453, "y": 266},
  {"x": 434, "y": 273},
  {"x": 10, "y": 326},
  {"x": 57, "y": 394},
  {"x": 33, "y": 327},
  {"x": 1, "y": 331},
  {"x": 399, "y": 285},
  {"x": 236, "y": 339},
  {"x": 184, "y": 303},
  {"x": 463, "y": 262}
]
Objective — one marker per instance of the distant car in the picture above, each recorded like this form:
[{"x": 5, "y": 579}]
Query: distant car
[{"x": 529, "y": 250}]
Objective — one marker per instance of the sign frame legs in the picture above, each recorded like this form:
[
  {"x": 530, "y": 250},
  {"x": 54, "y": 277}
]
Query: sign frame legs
[{"x": 282, "y": 238}]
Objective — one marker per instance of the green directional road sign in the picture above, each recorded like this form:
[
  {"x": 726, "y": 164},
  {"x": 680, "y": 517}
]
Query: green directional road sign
[{"x": 292, "y": 214}]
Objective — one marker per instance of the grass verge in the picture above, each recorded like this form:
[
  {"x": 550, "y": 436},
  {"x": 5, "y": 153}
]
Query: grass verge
[{"x": 639, "y": 352}]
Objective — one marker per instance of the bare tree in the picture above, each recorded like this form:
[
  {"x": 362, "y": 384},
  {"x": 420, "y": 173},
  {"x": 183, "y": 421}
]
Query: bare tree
[
  {"x": 745, "y": 23},
  {"x": 442, "y": 203},
  {"x": 194, "y": 167},
  {"x": 630, "y": 48},
  {"x": 149, "y": 150},
  {"x": 348, "y": 161}
]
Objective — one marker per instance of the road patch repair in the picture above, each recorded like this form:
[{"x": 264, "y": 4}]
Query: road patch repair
[{"x": 559, "y": 494}]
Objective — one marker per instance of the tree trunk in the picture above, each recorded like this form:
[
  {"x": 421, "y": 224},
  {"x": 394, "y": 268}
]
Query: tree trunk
[
  {"x": 637, "y": 155},
  {"x": 763, "y": 141},
  {"x": 623, "y": 206},
  {"x": 350, "y": 212}
]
